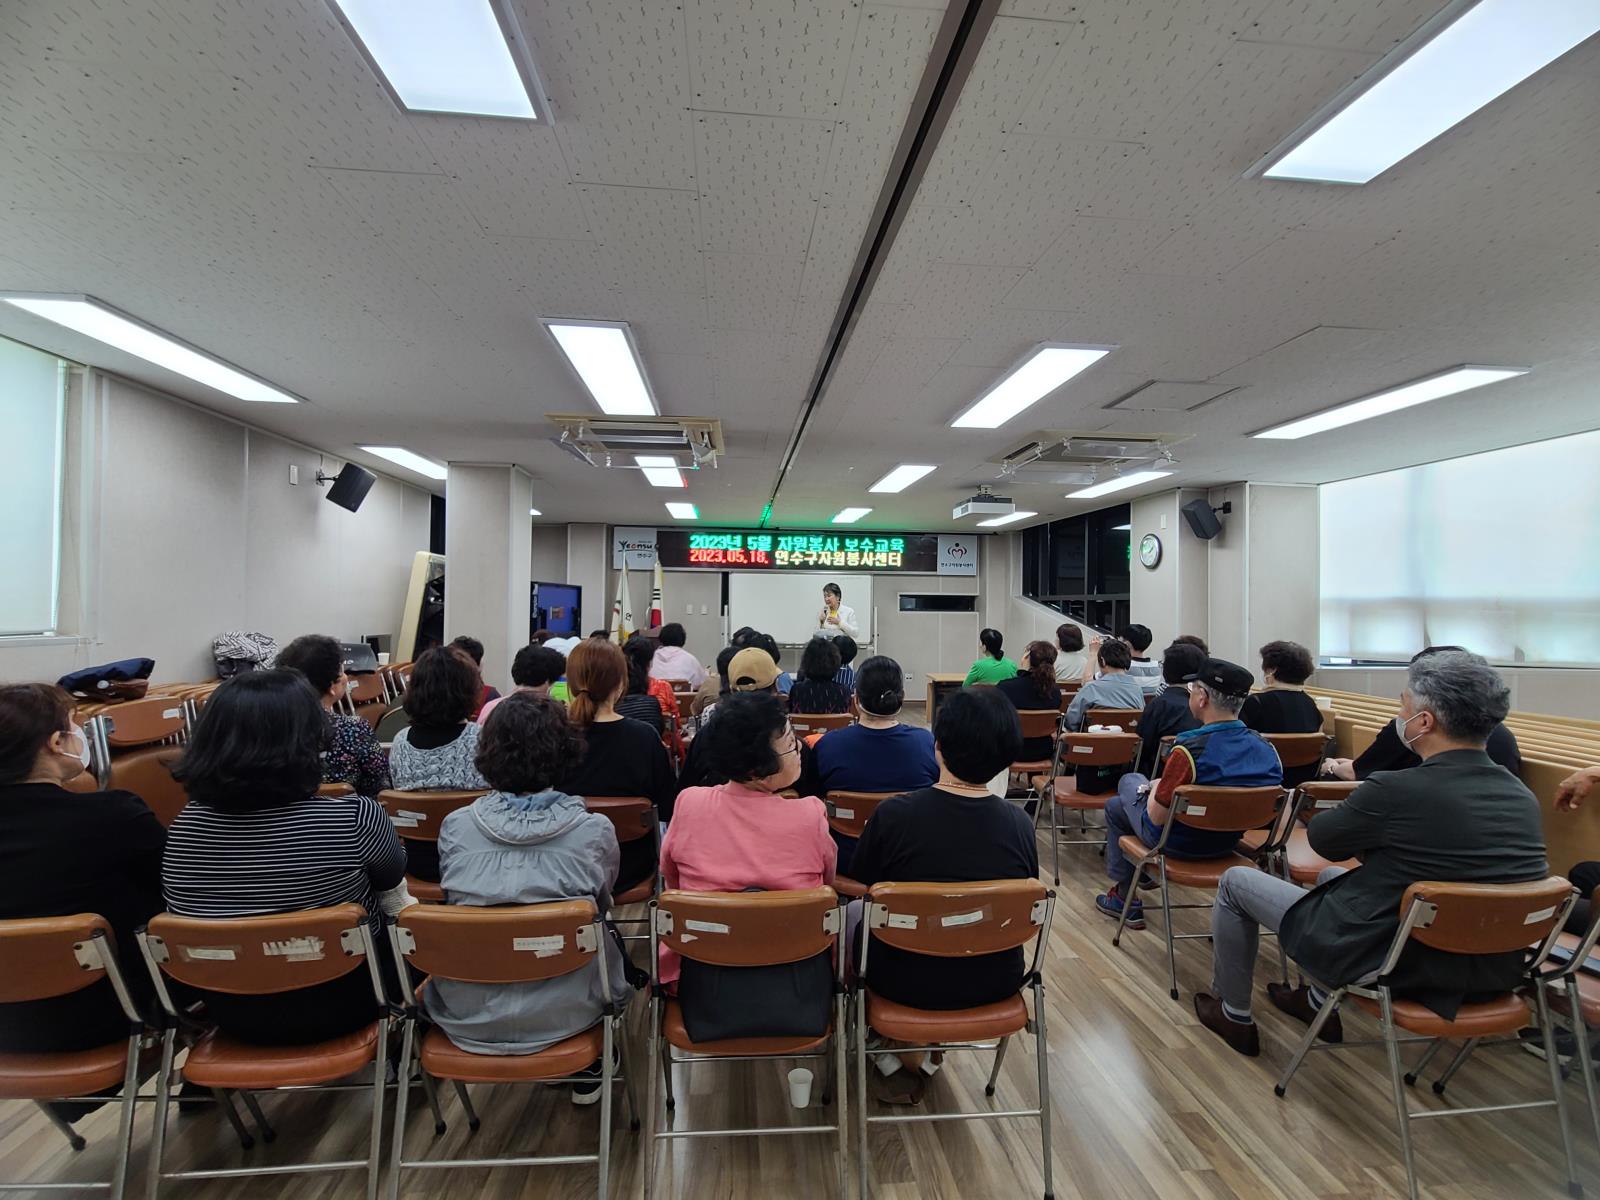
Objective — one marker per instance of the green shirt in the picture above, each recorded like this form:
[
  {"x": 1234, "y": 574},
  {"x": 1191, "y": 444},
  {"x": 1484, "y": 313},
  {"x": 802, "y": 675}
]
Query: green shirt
[{"x": 992, "y": 670}]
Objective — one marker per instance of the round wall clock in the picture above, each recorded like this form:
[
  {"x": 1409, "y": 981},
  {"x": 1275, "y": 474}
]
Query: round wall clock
[{"x": 1150, "y": 551}]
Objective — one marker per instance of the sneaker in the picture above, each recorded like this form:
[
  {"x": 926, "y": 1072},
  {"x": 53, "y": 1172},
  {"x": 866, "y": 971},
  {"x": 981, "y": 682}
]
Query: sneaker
[
  {"x": 1110, "y": 903},
  {"x": 586, "y": 1088},
  {"x": 1533, "y": 1043}
]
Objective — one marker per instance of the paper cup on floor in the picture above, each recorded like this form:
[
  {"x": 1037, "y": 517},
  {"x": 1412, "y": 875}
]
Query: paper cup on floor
[{"x": 800, "y": 1087}]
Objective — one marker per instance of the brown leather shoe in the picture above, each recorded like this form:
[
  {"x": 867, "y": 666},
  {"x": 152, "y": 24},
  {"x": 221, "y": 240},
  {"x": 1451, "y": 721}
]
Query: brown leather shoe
[
  {"x": 1297, "y": 1003},
  {"x": 1243, "y": 1036}
]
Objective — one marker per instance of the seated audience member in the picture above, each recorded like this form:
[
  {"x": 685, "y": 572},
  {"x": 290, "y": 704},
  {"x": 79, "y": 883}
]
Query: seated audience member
[
  {"x": 256, "y": 838},
  {"x": 1221, "y": 752},
  {"x": 1585, "y": 876},
  {"x": 438, "y": 750},
  {"x": 672, "y": 661},
  {"x": 622, "y": 756},
  {"x": 741, "y": 835},
  {"x": 598, "y": 635},
  {"x": 1070, "y": 659},
  {"x": 1390, "y": 752},
  {"x": 1457, "y": 817},
  {"x": 535, "y": 670},
  {"x": 846, "y": 677},
  {"x": 1189, "y": 639},
  {"x": 641, "y": 652},
  {"x": 1034, "y": 687},
  {"x": 65, "y": 852},
  {"x": 715, "y": 687},
  {"x": 639, "y": 701},
  {"x": 749, "y": 670},
  {"x": 816, "y": 691},
  {"x": 1284, "y": 706},
  {"x": 992, "y": 665},
  {"x": 353, "y": 755},
  {"x": 1169, "y": 712},
  {"x": 473, "y": 649},
  {"x": 1114, "y": 688},
  {"x": 877, "y": 753},
  {"x": 765, "y": 641},
  {"x": 1138, "y": 638},
  {"x": 527, "y": 842}
]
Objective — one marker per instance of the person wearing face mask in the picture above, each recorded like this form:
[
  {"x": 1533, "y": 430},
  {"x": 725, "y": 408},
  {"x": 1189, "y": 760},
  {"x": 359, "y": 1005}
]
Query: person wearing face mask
[
  {"x": 1457, "y": 817},
  {"x": 353, "y": 755},
  {"x": 64, "y": 851}
]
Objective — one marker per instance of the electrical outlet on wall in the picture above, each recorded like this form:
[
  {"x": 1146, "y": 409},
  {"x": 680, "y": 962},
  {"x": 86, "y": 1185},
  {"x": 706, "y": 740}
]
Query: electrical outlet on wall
[
  {"x": 1163, "y": 520},
  {"x": 704, "y": 611},
  {"x": 688, "y": 610},
  {"x": 294, "y": 474}
]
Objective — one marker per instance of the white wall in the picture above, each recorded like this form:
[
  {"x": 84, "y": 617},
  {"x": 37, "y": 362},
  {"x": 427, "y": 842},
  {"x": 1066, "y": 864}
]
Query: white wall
[
  {"x": 1171, "y": 599},
  {"x": 921, "y": 642}
]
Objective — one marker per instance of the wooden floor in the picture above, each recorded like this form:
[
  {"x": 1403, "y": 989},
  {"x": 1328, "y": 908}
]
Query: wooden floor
[{"x": 1146, "y": 1104}]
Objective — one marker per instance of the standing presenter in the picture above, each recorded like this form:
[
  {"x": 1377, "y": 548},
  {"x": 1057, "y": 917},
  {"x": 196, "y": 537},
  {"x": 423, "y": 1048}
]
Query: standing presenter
[{"x": 835, "y": 618}]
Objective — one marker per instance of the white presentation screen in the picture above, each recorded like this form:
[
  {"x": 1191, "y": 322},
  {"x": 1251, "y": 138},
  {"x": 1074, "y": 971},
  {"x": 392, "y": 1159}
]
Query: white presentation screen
[
  {"x": 1497, "y": 552},
  {"x": 786, "y": 606},
  {"x": 32, "y": 390}
]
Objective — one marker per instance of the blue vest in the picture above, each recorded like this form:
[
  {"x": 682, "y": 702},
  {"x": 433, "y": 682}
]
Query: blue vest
[{"x": 1226, "y": 754}]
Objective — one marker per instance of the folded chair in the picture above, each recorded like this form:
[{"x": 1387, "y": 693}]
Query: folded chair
[
  {"x": 1083, "y": 750},
  {"x": 847, "y": 816},
  {"x": 1459, "y": 918},
  {"x": 50, "y": 957},
  {"x": 1199, "y": 807},
  {"x": 263, "y": 956},
  {"x": 744, "y": 929},
  {"x": 508, "y": 946},
  {"x": 956, "y": 920},
  {"x": 417, "y": 817}
]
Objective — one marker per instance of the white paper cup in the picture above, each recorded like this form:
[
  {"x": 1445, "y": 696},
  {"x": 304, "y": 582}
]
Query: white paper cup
[
  {"x": 800, "y": 1087},
  {"x": 383, "y": 658}
]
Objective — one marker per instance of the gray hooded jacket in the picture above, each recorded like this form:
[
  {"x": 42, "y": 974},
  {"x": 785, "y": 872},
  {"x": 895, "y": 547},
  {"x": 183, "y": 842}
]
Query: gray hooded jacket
[{"x": 503, "y": 850}]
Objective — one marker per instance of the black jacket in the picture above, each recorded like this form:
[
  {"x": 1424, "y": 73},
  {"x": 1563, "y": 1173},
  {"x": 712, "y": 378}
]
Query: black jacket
[
  {"x": 1167, "y": 714},
  {"x": 1458, "y": 817},
  {"x": 1388, "y": 752}
]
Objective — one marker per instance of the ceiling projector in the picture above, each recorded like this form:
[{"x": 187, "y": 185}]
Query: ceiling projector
[{"x": 984, "y": 504}]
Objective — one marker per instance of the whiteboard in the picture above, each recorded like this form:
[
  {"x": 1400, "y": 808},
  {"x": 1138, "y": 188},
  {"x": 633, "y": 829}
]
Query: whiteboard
[{"x": 786, "y": 606}]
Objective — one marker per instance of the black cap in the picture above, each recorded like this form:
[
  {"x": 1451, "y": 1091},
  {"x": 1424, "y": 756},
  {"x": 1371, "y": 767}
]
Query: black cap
[{"x": 1230, "y": 679}]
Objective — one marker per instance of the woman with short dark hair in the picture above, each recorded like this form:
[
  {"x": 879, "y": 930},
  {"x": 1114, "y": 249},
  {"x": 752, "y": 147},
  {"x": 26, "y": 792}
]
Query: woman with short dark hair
[
  {"x": 817, "y": 691},
  {"x": 473, "y": 649},
  {"x": 353, "y": 755},
  {"x": 256, "y": 838},
  {"x": 438, "y": 748},
  {"x": 646, "y": 699},
  {"x": 1284, "y": 706},
  {"x": 1071, "y": 660}
]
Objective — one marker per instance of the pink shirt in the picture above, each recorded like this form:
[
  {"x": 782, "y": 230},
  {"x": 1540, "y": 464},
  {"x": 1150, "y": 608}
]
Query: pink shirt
[
  {"x": 674, "y": 662},
  {"x": 732, "y": 837}
]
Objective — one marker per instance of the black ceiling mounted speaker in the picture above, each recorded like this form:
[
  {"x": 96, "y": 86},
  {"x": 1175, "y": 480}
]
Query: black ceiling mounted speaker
[
  {"x": 1202, "y": 518},
  {"x": 350, "y": 486}
]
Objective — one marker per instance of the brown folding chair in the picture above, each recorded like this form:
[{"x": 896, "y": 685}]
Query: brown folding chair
[
  {"x": 745, "y": 929},
  {"x": 1069, "y": 692},
  {"x": 336, "y": 791},
  {"x": 1199, "y": 807},
  {"x": 368, "y": 697},
  {"x": 633, "y": 818},
  {"x": 955, "y": 920},
  {"x": 847, "y": 816},
  {"x": 1126, "y": 718},
  {"x": 505, "y": 946},
  {"x": 46, "y": 958},
  {"x": 1037, "y": 723},
  {"x": 1083, "y": 750},
  {"x": 1300, "y": 862},
  {"x": 264, "y": 956},
  {"x": 805, "y": 724},
  {"x": 1298, "y": 749},
  {"x": 396, "y": 678},
  {"x": 1460, "y": 918},
  {"x": 417, "y": 817},
  {"x": 1573, "y": 994},
  {"x": 133, "y": 747}
]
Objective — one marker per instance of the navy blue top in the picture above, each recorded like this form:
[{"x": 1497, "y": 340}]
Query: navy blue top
[{"x": 858, "y": 759}]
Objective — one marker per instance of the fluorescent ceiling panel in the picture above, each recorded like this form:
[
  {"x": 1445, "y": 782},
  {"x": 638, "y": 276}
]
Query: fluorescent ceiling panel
[
  {"x": 1458, "y": 379},
  {"x": 1006, "y": 520},
  {"x": 534, "y": 512},
  {"x": 603, "y": 355},
  {"x": 661, "y": 470},
  {"x": 683, "y": 510},
  {"x": 105, "y": 325},
  {"x": 849, "y": 516},
  {"x": 1116, "y": 483},
  {"x": 1454, "y": 71},
  {"x": 410, "y": 460},
  {"x": 1046, "y": 369},
  {"x": 441, "y": 56},
  {"x": 902, "y": 477}
]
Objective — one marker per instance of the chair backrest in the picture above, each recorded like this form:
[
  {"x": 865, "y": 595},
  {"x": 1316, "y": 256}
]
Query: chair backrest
[
  {"x": 1226, "y": 808},
  {"x": 46, "y": 957},
  {"x": 417, "y": 815},
  {"x": 1484, "y": 918},
  {"x": 1098, "y": 749},
  {"x": 335, "y": 791},
  {"x": 807, "y": 723},
  {"x": 368, "y": 689},
  {"x": 1298, "y": 749},
  {"x": 1039, "y": 722},
  {"x": 259, "y": 956},
  {"x": 748, "y": 929},
  {"x": 517, "y": 944},
  {"x": 685, "y": 704},
  {"x": 389, "y": 725},
  {"x": 145, "y": 722},
  {"x": 633, "y": 817},
  {"x": 848, "y": 811},
  {"x": 1128, "y": 718},
  {"x": 1319, "y": 795},
  {"x": 957, "y": 920},
  {"x": 147, "y": 773}
]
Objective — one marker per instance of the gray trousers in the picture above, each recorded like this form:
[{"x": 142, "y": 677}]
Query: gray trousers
[{"x": 1248, "y": 901}]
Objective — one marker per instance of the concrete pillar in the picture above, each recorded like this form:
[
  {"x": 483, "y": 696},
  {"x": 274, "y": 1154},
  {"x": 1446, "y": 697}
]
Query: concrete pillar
[{"x": 488, "y": 540}]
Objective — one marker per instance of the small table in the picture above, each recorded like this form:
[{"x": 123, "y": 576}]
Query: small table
[{"x": 940, "y": 685}]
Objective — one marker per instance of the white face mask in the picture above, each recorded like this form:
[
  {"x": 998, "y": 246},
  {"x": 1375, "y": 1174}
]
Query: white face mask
[
  {"x": 1400, "y": 724},
  {"x": 83, "y": 752}
]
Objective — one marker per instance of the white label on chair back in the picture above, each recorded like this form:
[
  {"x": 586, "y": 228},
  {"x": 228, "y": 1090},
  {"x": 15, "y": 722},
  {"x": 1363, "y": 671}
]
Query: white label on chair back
[
  {"x": 1544, "y": 914},
  {"x": 706, "y": 926},
  {"x": 209, "y": 953},
  {"x": 1196, "y": 810},
  {"x": 300, "y": 949},
  {"x": 171, "y": 714},
  {"x": 971, "y": 918},
  {"x": 413, "y": 816},
  {"x": 902, "y": 920},
  {"x": 542, "y": 947},
  {"x": 400, "y": 822},
  {"x": 1083, "y": 749},
  {"x": 844, "y": 814}
]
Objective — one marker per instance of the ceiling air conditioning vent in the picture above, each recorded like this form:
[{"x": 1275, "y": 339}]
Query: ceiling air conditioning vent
[
  {"x": 690, "y": 442},
  {"x": 1059, "y": 457}
]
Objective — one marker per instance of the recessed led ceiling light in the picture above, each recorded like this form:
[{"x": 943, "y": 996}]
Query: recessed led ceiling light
[
  {"x": 88, "y": 316},
  {"x": 683, "y": 510},
  {"x": 1041, "y": 373},
  {"x": 1006, "y": 520},
  {"x": 1116, "y": 483},
  {"x": 445, "y": 56},
  {"x": 849, "y": 516},
  {"x": 411, "y": 461},
  {"x": 534, "y": 512},
  {"x": 660, "y": 469},
  {"x": 1448, "y": 383},
  {"x": 902, "y": 477},
  {"x": 603, "y": 355},
  {"x": 1449, "y": 69}
]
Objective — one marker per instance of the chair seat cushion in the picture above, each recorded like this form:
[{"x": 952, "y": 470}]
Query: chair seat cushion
[
  {"x": 443, "y": 1059},
  {"x": 922, "y": 1026},
  {"x": 423, "y": 891},
  {"x": 846, "y": 886},
  {"x": 1186, "y": 872},
  {"x": 50, "y": 1076},
  {"x": 1305, "y": 864},
  {"x": 672, "y": 1028},
  {"x": 1067, "y": 795},
  {"x": 219, "y": 1061},
  {"x": 1030, "y": 766},
  {"x": 1503, "y": 1014}
]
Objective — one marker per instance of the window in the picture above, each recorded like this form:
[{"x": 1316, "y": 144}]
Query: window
[
  {"x": 33, "y": 415},
  {"x": 1079, "y": 566},
  {"x": 936, "y": 602}
]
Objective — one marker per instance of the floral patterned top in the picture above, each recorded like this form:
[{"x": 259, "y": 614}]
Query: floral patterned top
[{"x": 354, "y": 756}]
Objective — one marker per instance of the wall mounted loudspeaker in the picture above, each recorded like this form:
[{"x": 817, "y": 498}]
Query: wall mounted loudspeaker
[
  {"x": 350, "y": 486},
  {"x": 1202, "y": 518}
]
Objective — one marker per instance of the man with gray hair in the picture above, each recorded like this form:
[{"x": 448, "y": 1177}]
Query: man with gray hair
[{"x": 1458, "y": 817}]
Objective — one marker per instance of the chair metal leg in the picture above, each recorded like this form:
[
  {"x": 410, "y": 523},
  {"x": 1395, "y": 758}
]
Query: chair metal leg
[
  {"x": 863, "y": 1188},
  {"x": 666, "y": 1075},
  {"x": 380, "y": 1071},
  {"x": 158, "y": 1124},
  {"x": 268, "y": 1134},
  {"x": 647, "y": 1165},
  {"x": 1397, "y": 1081},
  {"x": 74, "y": 1138},
  {"x": 1329, "y": 1007},
  {"x": 130, "y": 1090},
  {"x": 1127, "y": 901},
  {"x": 999, "y": 1057},
  {"x": 430, "y": 1089},
  {"x": 608, "y": 1031},
  {"x": 466, "y": 1104},
  {"x": 1422, "y": 1063},
  {"x": 1042, "y": 1046},
  {"x": 1458, "y": 1061},
  {"x": 1055, "y": 835},
  {"x": 402, "y": 1101},
  {"x": 1166, "y": 924},
  {"x": 225, "y": 1103},
  {"x": 841, "y": 1113},
  {"x": 629, "y": 1084},
  {"x": 1580, "y": 1030},
  {"x": 1547, "y": 1029}
]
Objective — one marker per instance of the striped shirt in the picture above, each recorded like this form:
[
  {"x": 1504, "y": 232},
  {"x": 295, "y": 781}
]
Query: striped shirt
[{"x": 287, "y": 858}]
